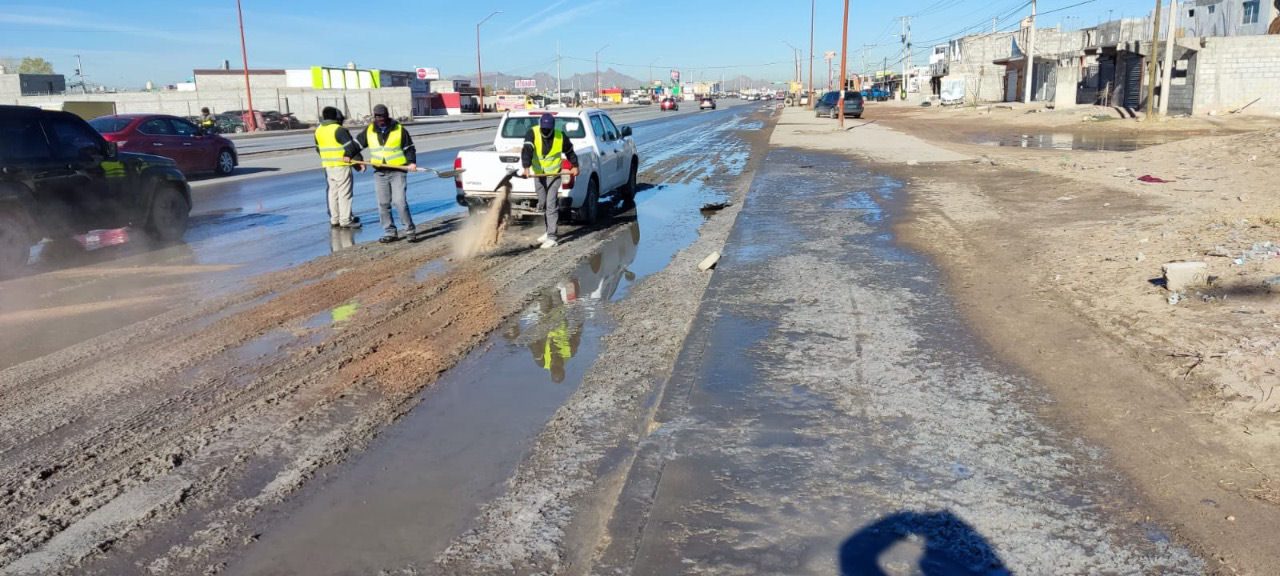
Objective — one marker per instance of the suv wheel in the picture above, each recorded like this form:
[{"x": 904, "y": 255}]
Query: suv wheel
[
  {"x": 226, "y": 162},
  {"x": 169, "y": 214},
  {"x": 15, "y": 246}
]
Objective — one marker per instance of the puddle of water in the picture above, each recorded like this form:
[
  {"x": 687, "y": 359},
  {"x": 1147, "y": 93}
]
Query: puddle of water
[
  {"x": 266, "y": 345},
  {"x": 429, "y": 269},
  {"x": 334, "y": 317},
  {"x": 1071, "y": 141}
]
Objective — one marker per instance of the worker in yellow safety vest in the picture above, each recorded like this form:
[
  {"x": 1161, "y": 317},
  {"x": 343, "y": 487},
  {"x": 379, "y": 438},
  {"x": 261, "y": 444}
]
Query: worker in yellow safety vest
[
  {"x": 392, "y": 154},
  {"x": 207, "y": 122},
  {"x": 337, "y": 148},
  {"x": 545, "y": 150}
]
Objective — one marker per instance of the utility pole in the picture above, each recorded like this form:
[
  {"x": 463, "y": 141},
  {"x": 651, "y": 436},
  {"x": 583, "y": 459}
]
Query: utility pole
[
  {"x": 813, "y": 6},
  {"x": 906, "y": 52},
  {"x": 1030, "y": 67},
  {"x": 844, "y": 62},
  {"x": 1166, "y": 80},
  {"x": 80, "y": 75},
  {"x": 598, "y": 92},
  {"x": 994, "y": 21},
  {"x": 1151, "y": 74},
  {"x": 244, "y": 54},
  {"x": 479, "y": 69}
]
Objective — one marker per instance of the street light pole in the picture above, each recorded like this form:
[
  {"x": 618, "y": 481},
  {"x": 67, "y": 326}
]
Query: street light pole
[
  {"x": 598, "y": 92},
  {"x": 244, "y": 54},
  {"x": 479, "y": 69},
  {"x": 844, "y": 62}
]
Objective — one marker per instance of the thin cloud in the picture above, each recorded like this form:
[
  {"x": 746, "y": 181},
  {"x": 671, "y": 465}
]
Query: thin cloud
[
  {"x": 558, "y": 19},
  {"x": 83, "y": 22},
  {"x": 536, "y": 15}
]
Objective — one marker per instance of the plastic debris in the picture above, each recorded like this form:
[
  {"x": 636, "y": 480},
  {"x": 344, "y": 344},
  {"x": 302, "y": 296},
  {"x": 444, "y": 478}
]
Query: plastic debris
[{"x": 1153, "y": 179}]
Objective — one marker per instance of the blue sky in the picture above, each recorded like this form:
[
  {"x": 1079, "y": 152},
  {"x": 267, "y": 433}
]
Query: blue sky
[{"x": 128, "y": 42}]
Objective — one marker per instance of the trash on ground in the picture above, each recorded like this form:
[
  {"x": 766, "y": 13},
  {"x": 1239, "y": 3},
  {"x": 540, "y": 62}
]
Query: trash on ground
[
  {"x": 1153, "y": 179},
  {"x": 709, "y": 262},
  {"x": 715, "y": 206},
  {"x": 1179, "y": 276}
]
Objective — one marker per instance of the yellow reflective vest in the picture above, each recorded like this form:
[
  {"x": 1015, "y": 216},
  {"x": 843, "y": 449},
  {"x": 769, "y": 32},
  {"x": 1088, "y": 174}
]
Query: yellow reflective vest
[
  {"x": 331, "y": 151},
  {"x": 389, "y": 153},
  {"x": 547, "y": 162}
]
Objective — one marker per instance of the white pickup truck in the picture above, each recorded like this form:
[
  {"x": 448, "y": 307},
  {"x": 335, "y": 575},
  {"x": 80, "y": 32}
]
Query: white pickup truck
[{"x": 607, "y": 161}]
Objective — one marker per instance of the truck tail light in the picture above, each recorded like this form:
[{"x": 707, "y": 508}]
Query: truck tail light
[
  {"x": 566, "y": 183},
  {"x": 457, "y": 180}
]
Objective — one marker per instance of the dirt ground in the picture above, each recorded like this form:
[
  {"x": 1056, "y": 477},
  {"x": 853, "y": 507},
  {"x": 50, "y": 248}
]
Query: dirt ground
[{"x": 1055, "y": 255}]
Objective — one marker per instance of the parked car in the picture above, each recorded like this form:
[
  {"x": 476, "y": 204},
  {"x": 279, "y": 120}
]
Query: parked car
[
  {"x": 607, "y": 159},
  {"x": 829, "y": 103},
  {"x": 171, "y": 137},
  {"x": 59, "y": 177},
  {"x": 230, "y": 123},
  {"x": 707, "y": 104},
  {"x": 281, "y": 121},
  {"x": 670, "y": 104},
  {"x": 875, "y": 94}
]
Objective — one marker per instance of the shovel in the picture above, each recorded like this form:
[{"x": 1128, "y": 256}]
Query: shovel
[{"x": 439, "y": 173}]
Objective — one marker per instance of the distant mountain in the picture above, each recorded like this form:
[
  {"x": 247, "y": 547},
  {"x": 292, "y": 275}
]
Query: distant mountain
[{"x": 609, "y": 78}]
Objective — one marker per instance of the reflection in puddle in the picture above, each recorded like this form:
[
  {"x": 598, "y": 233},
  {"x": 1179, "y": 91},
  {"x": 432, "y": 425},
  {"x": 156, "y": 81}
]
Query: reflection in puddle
[
  {"x": 1071, "y": 141},
  {"x": 334, "y": 317}
]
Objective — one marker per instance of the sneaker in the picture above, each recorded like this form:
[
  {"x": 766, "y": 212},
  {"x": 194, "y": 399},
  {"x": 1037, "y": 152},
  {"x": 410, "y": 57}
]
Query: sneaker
[
  {"x": 334, "y": 224},
  {"x": 355, "y": 219},
  {"x": 549, "y": 243},
  {"x": 388, "y": 239},
  {"x": 353, "y": 225},
  {"x": 542, "y": 238}
]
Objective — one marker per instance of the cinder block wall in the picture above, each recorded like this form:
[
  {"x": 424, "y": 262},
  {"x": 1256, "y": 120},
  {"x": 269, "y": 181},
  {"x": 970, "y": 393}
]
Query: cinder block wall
[
  {"x": 305, "y": 103},
  {"x": 1231, "y": 72}
]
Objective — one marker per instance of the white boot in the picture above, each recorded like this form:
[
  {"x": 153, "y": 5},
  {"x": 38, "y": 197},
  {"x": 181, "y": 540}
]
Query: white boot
[
  {"x": 549, "y": 243},
  {"x": 542, "y": 238}
]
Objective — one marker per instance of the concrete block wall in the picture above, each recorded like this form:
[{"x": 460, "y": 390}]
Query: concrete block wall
[
  {"x": 984, "y": 81},
  {"x": 1183, "y": 87},
  {"x": 304, "y": 103},
  {"x": 1230, "y": 72}
]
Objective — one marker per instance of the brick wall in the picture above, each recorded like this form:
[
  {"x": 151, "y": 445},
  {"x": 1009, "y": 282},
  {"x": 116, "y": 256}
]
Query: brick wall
[{"x": 1231, "y": 72}]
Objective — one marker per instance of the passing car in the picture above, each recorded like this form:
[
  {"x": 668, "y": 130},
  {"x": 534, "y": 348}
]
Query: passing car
[
  {"x": 608, "y": 163},
  {"x": 59, "y": 178},
  {"x": 828, "y": 105},
  {"x": 707, "y": 104},
  {"x": 670, "y": 104},
  {"x": 171, "y": 137}
]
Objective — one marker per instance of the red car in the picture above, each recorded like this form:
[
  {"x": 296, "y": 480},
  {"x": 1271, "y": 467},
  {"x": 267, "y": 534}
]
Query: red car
[
  {"x": 670, "y": 104},
  {"x": 171, "y": 137}
]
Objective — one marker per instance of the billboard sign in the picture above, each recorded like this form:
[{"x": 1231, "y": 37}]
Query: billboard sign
[
  {"x": 531, "y": 84},
  {"x": 428, "y": 73},
  {"x": 675, "y": 76}
]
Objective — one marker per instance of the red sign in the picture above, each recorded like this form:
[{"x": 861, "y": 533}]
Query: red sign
[{"x": 428, "y": 73}]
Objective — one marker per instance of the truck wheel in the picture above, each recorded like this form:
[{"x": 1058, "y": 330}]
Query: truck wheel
[
  {"x": 169, "y": 214},
  {"x": 629, "y": 190},
  {"x": 589, "y": 214},
  {"x": 15, "y": 245},
  {"x": 226, "y": 162}
]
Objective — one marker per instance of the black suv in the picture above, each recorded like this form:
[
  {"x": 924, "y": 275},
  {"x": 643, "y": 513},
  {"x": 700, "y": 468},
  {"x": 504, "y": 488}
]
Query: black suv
[{"x": 59, "y": 178}]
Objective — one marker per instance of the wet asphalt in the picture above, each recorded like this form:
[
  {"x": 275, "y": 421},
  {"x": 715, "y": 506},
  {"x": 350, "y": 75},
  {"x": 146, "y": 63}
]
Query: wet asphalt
[
  {"x": 240, "y": 228},
  {"x": 831, "y": 414}
]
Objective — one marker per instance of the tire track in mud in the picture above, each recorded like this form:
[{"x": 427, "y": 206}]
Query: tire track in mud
[{"x": 176, "y": 396}]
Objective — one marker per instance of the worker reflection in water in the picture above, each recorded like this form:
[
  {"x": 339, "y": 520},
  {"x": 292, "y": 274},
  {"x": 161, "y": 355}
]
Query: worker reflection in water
[{"x": 553, "y": 351}]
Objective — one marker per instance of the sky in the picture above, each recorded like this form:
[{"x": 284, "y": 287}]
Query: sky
[{"x": 125, "y": 43}]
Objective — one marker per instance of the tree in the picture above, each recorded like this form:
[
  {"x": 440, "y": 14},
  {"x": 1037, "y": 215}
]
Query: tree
[{"x": 35, "y": 65}]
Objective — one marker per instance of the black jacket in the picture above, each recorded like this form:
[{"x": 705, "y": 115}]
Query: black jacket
[
  {"x": 349, "y": 146},
  {"x": 406, "y": 141},
  {"x": 526, "y": 151}
]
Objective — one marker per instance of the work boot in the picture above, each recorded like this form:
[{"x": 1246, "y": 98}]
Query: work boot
[
  {"x": 353, "y": 225},
  {"x": 389, "y": 238}
]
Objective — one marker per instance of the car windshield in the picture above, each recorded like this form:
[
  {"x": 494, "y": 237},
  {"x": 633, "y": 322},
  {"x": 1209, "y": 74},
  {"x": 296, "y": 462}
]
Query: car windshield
[
  {"x": 518, "y": 126},
  {"x": 109, "y": 124}
]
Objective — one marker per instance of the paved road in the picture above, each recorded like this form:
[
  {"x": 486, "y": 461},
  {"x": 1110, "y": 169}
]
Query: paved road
[
  {"x": 270, "y": 215},
  {"x": 249, "y": 144}
]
